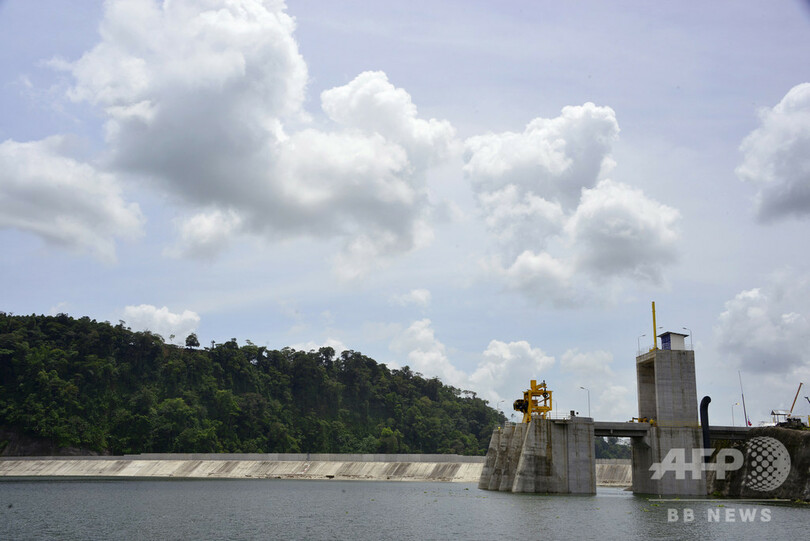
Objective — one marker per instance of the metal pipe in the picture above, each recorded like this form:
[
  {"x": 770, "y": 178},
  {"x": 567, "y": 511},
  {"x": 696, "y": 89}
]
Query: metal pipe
[{"x": 704, "y": 424}]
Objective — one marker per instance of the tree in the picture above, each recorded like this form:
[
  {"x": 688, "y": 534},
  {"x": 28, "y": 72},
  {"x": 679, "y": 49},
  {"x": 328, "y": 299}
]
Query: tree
[
  {"x": 97, "y": 387},
  {"x": 191, "y": 341}
]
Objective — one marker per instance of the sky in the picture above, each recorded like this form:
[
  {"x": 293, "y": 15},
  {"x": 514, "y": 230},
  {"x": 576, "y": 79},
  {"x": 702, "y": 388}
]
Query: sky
[{"x": 486, "y": 192}]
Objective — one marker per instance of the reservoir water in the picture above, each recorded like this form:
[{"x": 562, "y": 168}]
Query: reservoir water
[{"x": 357, "y": 510}]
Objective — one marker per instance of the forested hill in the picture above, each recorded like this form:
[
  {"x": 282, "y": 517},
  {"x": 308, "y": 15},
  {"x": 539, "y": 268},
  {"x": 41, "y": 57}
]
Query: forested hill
[{"x": 81, "y": 384}]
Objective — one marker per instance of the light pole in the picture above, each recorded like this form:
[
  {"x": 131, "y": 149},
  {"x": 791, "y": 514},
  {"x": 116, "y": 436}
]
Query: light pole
[
  {"x": 498, "y": 406},
  {"x": 638, "y": 341},
  {"x": 589, "y": 400},
  {"x": 732, "y": 412},
  {"x": 691, "y": 337}
]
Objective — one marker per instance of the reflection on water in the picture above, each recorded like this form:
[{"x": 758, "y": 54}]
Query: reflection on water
[{"x": 282, "y": 509}]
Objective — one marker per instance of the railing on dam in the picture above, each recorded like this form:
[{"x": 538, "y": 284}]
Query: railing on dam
[
  {"x": 635, "y": 430},
  {"x": 278, "y": 457}
]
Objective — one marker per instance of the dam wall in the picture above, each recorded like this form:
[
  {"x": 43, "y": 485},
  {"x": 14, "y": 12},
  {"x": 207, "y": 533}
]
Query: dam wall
[
  {"x": 614, "y": 472},
  {"x": 453, "y": 468}
]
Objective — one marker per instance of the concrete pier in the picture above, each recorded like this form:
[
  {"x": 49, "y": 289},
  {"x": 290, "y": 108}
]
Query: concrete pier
[
  {"x": 547, "y": 456},
  {"x": 667, "y": 395}
]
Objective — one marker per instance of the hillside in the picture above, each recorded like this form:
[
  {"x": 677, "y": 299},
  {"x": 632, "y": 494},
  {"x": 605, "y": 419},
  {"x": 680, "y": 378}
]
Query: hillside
[{"x": 80, "y": 386}]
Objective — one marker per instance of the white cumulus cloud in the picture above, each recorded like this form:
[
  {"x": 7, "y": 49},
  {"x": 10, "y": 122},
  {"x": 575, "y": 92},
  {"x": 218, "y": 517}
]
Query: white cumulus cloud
[
  {"x": 590, "y": 364},
  {"x": 617, "y": 230},
  {"x": 417, "y": 297},
  {"x": 63, "y": 201},
  {"x": 767, "y": 329},
  {"x": 204, "y": 235},
  {"x": 426, "y": 354},
  {"x": 505, "y": 367},
  {"x": 161, "y": 321},
  {"x": 372, "y": 104},
  {"x": 333, "y": 343},
  {"x": 502, "y": 368},
  {"x": 776, "y": 157},
  {"x": 561, "y": 229},
  {"x": 206, "y": 99},
  {"x": 552, "y": 158}
]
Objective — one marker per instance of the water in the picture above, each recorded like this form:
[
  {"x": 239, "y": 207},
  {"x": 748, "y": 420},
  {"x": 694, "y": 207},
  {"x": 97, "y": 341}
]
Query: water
[{"x": 282, "y": 509}]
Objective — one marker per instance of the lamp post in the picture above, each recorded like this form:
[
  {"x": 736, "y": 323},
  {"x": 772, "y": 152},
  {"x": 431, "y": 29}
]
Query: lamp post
[
  {"x": 691, "y": 337},
  {"x": 589, "y": 400},
  {"x": 732, "y": 412},
  {"x": 638, "y": 341}
]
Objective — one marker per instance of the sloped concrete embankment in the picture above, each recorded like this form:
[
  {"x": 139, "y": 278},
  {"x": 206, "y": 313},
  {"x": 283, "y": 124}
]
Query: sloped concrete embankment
[
  {"x": 614, "y": 472},
  {"x": 452, "y": 468}
]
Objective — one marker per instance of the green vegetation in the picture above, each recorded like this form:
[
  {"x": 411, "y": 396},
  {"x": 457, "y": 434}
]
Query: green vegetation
[
  {"x": 83, "y": 384},
  {"x": 610, "y": 447}
]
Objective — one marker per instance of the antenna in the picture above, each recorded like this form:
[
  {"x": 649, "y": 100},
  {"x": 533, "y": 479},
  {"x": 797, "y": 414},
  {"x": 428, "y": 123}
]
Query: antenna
[
  {"x": 745, "y": 413},
  {"x": 655, "y": 329}
]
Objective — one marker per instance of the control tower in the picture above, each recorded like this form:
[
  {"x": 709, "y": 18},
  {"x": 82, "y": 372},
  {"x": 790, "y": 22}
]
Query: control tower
[{"x": 667, "y": 399}]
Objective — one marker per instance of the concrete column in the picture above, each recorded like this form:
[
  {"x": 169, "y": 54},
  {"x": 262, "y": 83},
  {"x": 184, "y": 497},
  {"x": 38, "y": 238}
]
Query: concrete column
[
  {"x": 492, "y": 454},
  {"x": 543, "y": 456},
  {"x": 653, "y": 449},
  {"x": 512, "y": 458}
]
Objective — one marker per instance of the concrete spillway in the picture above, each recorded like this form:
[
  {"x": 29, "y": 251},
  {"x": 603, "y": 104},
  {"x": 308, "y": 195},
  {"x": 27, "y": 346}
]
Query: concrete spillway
[
  {"x": 446, "y": 468},
  {"x": 614, "y": 472},
  {"x": 347, "y": 467}
]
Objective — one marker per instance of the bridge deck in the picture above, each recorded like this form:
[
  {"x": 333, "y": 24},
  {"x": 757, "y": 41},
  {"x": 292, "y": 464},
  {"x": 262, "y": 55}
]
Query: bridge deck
[
  {"x": 620, "y": 429},
  {"x": 635, "y": 430}
]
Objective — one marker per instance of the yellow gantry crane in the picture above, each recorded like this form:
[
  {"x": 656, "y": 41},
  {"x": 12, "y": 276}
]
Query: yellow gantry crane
[{"x": 531, "y": 401}]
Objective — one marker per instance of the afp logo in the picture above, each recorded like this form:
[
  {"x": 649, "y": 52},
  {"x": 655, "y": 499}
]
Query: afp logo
[
  {"x": 770, "y": 463},
  {"x": 768, "y": 460}
]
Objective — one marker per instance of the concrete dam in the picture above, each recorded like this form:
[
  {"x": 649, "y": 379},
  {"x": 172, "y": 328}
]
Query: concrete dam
[
  {"x": 556, "y": 455},
  {"x": 452, "y": 468},
  {"x": 447, "y": 468}
]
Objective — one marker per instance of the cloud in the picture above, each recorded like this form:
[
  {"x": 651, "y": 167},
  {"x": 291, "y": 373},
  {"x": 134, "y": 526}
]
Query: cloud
[
  {"x": 517, "y": 221},
  {"x": 611, "y": 402},
  {"x": 618, "y": 231},
  {"x": 591, "y": 364},
  {"x": 63, "y": 201},
  {"x": 418, "y": 297},
  {"x": 161, "y": 321},
  {"x": 205, "y": 99},
  {"x": 204, "y": 235},
  {"x": 503, "y": 366},
  {"x": 371, "y": 104},
  {"x": 333, "y": 343},
  {"x": 776, "y": 157},
  {"x": 540, "y": 277},
  {"x": 561, "y": 230},
  {"x": 767, "y": 329},
  {"x": 426, "y": 354},
  {"x": 553, "y": 158}
]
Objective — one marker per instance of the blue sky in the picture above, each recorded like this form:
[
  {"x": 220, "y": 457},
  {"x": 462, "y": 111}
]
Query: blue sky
[{"x": 486, "y": 193}]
